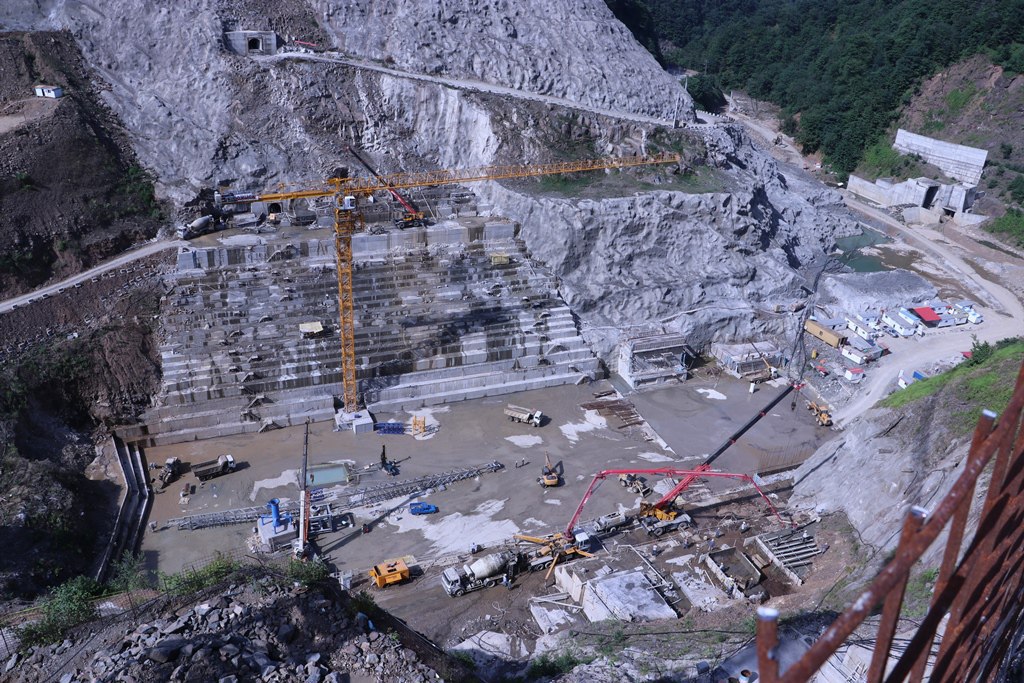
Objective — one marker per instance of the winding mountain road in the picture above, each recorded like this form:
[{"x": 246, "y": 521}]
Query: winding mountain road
[
  {"x": 464, "y": 84},
  {"x": 1004, "y": 317},
  {"x": 119, "y": 261}
]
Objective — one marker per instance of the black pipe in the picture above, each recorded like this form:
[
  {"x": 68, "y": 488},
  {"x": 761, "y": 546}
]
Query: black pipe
[{"x": 754, "y": 420}]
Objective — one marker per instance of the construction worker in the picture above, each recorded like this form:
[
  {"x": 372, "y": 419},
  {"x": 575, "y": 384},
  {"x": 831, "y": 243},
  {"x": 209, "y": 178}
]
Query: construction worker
[{"x": 506, "y": 581}]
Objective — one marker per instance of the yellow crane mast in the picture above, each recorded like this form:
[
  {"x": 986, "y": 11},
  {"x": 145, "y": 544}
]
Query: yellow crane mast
[{"x": 348, "y": 221}]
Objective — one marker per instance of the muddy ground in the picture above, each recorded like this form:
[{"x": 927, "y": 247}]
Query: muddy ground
[{"x": 691, "y": 418}]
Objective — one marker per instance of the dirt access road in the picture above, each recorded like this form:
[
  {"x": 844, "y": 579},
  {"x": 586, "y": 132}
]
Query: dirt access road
[
  {"x": 121, "y": 261},
  {"x": 465, "y": 84},
  {"x": 1004, "y": 316}
]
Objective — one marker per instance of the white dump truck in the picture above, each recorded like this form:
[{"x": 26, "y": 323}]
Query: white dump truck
[
  {"x": 214, "y": 468},
  {"x": 520, "y": 414},
  {"x": 484, "y": 573}
]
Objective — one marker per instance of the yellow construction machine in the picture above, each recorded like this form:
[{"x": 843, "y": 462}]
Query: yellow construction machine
[
  {"x": 822, "y": 415},
  {"x": 389, "y": 572},
  {"x": 555, "y": 547},
  {"x": 549, "y": 475}
]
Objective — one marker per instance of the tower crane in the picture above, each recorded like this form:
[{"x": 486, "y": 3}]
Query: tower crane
[
  {"x": 348, "y": 191},
  {"x": 413, "y": 216}
]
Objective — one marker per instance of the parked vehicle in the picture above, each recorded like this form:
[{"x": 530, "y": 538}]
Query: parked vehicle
[
  {"x": 389, "y": 572},
  {"x": 656, "y": 527},
  {"x": 524, "y": 415},
  {"x": 169, "y": 472},
  {"x": 214, "y": 468},
  {"x": 486, "y": 572},
  {"x": 422, "y": 508}
]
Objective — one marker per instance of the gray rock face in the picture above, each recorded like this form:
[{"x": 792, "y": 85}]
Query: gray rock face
[
  {"x": 711, "y": 266},
  {"x": 921, "y": 463},
  {"x": 573, "y": 49},
  {"x": 199, "y": 115},
  {"x": 856, "y": 292}
]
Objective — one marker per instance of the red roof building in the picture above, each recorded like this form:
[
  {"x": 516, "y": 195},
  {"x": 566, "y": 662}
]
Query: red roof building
[{"x": 927, "y": 315}]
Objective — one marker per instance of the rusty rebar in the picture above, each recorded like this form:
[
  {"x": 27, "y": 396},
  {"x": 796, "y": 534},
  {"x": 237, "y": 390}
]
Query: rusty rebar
[
  {"x": 986, "y": 422},
  {"x": 912, "y": 524},
  {"x": 899, "y": 568},
  {"x": 767, "y": 644}
]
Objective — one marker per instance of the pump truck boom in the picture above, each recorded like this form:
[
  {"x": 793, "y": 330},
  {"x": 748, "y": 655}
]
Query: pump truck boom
[
  {"x": 347, "y": 191},
  {"x": 683, "y": 475}
]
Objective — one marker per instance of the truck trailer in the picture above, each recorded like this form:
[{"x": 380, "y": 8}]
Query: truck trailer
[
  {"x": 520, "y": 414},
  {"x": 214, "y": 468}
]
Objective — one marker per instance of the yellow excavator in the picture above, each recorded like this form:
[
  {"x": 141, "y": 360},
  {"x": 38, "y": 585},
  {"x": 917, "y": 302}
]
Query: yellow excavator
[{"x": 549, "y": 475}]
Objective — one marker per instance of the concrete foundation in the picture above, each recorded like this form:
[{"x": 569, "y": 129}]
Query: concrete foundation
[
  {"x": 628, "y": 596},
  {"x": 437, "y": 320},
  {"x": 957, "y": 161},
  {"x": 654, "y": 359}
]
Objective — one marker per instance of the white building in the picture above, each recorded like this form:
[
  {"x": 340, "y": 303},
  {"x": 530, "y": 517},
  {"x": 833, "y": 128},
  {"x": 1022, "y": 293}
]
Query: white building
[
  {"x": 896, "y": 322},
  {"x": 52, "y": 91}
]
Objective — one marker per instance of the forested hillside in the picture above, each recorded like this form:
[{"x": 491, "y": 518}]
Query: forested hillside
[{"x": 840, "y": 70}]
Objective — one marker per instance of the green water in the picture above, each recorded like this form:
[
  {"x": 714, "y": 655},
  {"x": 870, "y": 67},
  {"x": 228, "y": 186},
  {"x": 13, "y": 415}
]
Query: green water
[
  {"x": 325, "y": 475},
  {"x": 852, "y": 256}
]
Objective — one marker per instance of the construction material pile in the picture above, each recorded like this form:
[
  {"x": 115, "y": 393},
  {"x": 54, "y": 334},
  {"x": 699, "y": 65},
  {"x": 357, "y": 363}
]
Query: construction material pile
[{"x": 256, "y": 631}]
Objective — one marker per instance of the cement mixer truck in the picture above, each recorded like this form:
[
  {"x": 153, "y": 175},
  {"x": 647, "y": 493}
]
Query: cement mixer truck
[{"x": 484, "y": 573}]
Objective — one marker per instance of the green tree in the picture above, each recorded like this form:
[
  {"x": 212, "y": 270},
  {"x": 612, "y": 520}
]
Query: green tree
[{"x": 705, "y": 92}]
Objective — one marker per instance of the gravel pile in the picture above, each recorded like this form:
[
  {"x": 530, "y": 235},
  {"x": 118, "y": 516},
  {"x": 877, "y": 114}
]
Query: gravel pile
[{"x": 258, "y": 631}]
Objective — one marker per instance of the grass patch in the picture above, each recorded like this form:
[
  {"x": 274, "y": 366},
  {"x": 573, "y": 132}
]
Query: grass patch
[
  {"x": 548, "y": 664},
  {"x": 69, "y": 605},
  {"x": 882, "y": 161},
  {"x": 307, "y": 573},
  {"x": 918, "y": 595},
  {"x": 569, "y": 184},
  {"x": 982, "y": 381},
  {"x": 193, "y": 580},
  {"x": 1010, "y": 224},
  {"x": 958, "y": 99}
]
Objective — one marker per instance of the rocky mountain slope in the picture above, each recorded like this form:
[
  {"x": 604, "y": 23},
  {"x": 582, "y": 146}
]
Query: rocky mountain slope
[
  {"x": 57, "y": 398},
  {"x": 905, "y": 452},
  {"x": 711, "y": 266},
  {"x": 71, "y": 190},
  {"x": 716, "y": 262},
  {"x": 979, "y": 104},
  {"x": 216, "y": 117},
  {"x": 254, "y": 627}
]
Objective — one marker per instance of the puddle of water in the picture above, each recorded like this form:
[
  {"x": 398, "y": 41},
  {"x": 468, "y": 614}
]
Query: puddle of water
[{"x": 852, "y": 256}]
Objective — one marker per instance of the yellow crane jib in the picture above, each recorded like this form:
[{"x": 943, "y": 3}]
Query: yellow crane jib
[{"x": 348, "y": 221}]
